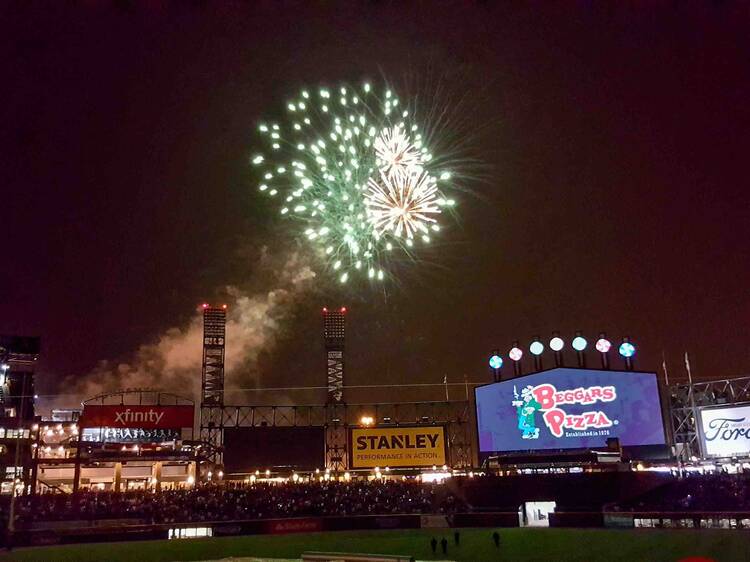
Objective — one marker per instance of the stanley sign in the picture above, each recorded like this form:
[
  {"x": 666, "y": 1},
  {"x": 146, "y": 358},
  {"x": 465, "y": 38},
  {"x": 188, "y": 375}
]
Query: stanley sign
[{"x": 397, "y": 446}]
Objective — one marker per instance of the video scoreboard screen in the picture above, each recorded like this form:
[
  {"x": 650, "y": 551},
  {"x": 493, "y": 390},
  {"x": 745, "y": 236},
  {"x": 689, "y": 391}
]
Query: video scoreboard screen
[
  {"x": 568, "y": 408},
  {"x": 247, "y": 449}
]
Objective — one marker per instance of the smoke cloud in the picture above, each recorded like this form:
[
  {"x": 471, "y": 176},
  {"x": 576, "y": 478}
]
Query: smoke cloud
[{"x": 173, "y": 362}]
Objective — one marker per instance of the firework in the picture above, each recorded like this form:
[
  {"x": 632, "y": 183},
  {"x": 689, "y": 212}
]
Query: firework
[
  {"x": 395, "y": 153},
  {"x": 402, "y": 203},
  {"x": 352, "y": 168}
]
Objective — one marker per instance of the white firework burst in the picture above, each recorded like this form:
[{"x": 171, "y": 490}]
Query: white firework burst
[
  {"x": 402, "y": 202},
  {"x": 395, "y": 152}
]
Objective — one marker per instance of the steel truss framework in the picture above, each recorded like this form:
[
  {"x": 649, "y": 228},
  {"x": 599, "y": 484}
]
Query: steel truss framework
[
  {"x": 337, "y": 418},
  {"x": 212, "y": 380},
  {"x": 685, "y": 402},
  {"x": 334, "y": 336}
]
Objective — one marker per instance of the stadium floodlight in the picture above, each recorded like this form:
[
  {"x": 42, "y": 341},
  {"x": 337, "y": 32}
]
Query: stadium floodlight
[
  {"x": 366, "y": 420},
  {"x": 579, "y": 343},
  {"x": 515, "y": 354}
]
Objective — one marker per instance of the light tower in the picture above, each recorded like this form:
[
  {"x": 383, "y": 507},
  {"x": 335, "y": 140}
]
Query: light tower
[
  {"x": 212, "y": 378},
  {"x": 334, "y": 325}
]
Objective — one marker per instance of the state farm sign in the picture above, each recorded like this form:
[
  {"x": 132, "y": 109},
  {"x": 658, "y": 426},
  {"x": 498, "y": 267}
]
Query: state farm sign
[
  {"x": 144, "y": 417},
  {"x": 725, "y": 431}
]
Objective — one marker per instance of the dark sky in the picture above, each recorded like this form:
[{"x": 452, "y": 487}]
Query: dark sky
[{"x": 616, "y": 141}]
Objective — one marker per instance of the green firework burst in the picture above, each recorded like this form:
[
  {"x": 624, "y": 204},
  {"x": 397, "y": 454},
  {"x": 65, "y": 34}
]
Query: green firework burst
[{"x": 353, "y": 170}]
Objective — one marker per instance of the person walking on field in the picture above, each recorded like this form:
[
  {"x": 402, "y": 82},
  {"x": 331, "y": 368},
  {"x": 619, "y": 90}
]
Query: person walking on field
[
  {"x": 496, "y": 539},
  {"x": 444, "y": 545},
  {"x": 457, "y": 538},
  {"x": 433, "y": 545}
]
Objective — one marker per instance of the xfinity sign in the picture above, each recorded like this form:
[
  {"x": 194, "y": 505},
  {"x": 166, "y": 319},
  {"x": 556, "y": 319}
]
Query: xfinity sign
[
  {"x": 126, "y": 417},
  {"x": 725, "y": 431},
  {"x": 136, "y": 416}
]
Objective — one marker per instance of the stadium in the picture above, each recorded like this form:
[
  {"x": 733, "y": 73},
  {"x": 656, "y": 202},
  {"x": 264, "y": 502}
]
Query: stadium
[
  {"x": 374, "y": 281},
  {"x": 567, "y": 447}
]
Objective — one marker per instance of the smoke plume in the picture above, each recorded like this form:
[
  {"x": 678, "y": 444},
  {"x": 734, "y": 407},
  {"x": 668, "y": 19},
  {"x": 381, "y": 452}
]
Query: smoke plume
[{"x": 173, "y": 362}]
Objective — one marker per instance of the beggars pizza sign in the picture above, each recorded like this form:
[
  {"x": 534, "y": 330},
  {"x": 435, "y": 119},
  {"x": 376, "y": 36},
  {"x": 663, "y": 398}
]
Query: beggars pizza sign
[{"x": 569, "y": 409}]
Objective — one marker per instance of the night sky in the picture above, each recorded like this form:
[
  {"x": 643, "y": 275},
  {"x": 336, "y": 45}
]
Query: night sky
[{"x": 615, "y": 142}]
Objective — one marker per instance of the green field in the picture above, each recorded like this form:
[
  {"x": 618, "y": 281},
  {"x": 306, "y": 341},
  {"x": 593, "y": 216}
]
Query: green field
[{"x": 548, "y": 545}]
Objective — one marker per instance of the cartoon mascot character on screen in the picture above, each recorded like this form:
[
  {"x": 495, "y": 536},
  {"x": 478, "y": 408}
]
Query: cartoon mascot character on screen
[{"x": 527, "y": 408}]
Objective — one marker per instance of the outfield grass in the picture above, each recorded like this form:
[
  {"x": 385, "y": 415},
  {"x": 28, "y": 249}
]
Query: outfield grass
[{"x": 547, "y": 545}]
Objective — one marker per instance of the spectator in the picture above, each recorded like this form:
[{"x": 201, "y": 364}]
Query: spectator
[
  {"x": 697, "y": 492},
  {"x": 237, "y": 502}
]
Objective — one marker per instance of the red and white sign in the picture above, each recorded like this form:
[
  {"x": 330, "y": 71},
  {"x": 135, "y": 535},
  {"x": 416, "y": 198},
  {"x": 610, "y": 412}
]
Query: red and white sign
[
  {"x": 284, "y": 526},
  {"x": 144, "y": 417},
  {"x": 557, "y": 420}
]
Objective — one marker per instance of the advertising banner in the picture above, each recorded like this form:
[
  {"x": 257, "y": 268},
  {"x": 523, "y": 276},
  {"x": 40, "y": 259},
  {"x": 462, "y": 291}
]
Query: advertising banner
[
  {"x": 397, "y": 446},
  {"x": 142, "y": 417},
  {"x": 569, "y": 409},
  {"x": 129, "y": 435},
  {"x": 725, "y": 431}
]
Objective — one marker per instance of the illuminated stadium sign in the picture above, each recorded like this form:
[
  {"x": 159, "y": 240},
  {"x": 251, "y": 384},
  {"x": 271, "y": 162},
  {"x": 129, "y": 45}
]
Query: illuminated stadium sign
[
  {"x": 725, "y": 431},
  {"x": 141, "y": 417},
  {"x": 397, "y": 447},
  {"x": 129, "y": 435},
  {"x": 569, "y": 409}
]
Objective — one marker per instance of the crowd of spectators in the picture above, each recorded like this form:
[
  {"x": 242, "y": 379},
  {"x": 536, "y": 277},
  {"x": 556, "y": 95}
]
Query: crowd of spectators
[
  {"x": 711, "y": 492},
  {"x": 240, "y": 502},
  {"x": 236, "y": 502}
]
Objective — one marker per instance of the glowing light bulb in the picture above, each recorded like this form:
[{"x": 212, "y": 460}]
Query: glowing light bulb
[
  {"x": 627, "y": 349},
  {"x": 537, "y": 348},
  {"x": 579, "y": 343},
  {"x": 603, "y": 345}
]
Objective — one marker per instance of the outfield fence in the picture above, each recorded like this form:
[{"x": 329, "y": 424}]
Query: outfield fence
[{"x": 63, "y": 532}]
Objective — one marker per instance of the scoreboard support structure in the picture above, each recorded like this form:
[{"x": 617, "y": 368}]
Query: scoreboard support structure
[{"x": 454, "y": 416}]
